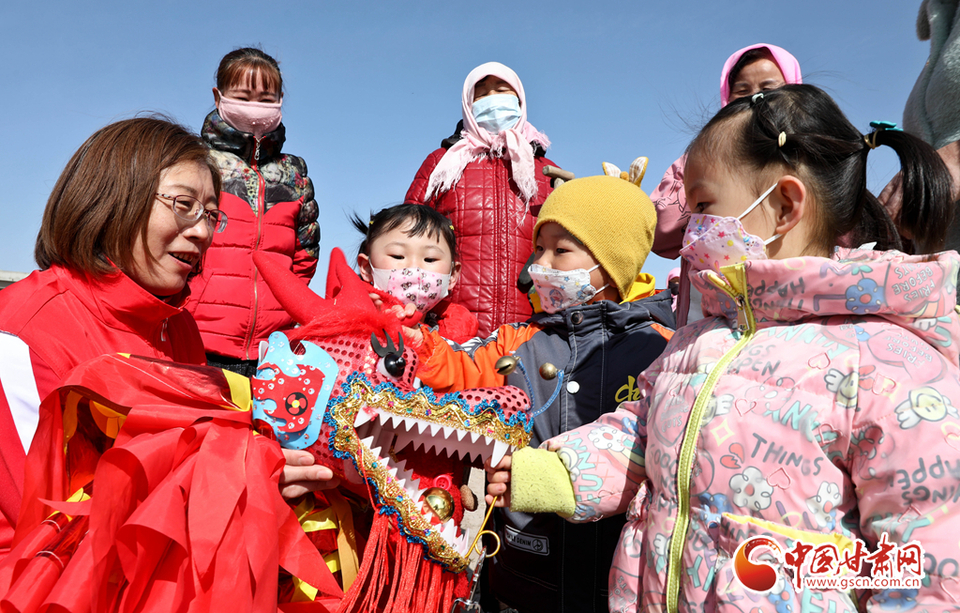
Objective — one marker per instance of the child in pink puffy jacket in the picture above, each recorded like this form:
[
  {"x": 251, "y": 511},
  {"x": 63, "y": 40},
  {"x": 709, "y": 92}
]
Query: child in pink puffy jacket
[
  {"x": 753, "y": 69},
  {"x": 814, "y": 407}
]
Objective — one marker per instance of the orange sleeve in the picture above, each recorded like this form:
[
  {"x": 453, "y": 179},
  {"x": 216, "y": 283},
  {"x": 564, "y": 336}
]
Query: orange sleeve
[{"x": 447, "y": 369}]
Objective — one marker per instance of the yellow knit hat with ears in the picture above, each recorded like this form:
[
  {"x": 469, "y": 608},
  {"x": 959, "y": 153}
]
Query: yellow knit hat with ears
[{"x": 612, "y": 217}]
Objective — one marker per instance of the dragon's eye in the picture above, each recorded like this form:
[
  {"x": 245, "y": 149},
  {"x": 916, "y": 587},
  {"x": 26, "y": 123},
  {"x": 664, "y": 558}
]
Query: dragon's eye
[
  {"x": 391, "y": 356},
  {"x": 394, "y": 364}
]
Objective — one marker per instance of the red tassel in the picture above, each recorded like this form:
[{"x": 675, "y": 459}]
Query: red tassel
[
  {"x": 395, "y": 577},
  {"x": 365, "y": 593},
  {"x": 410, "y": 571}
]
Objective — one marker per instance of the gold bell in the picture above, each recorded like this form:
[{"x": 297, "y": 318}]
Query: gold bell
[
  {"x": 440, "y": 502},
  {"x": 506, "y": 365},
  {"x": 548, "y": 371}
]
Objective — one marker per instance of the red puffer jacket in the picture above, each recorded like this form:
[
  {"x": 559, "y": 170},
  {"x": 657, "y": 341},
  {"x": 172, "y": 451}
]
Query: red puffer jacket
[
  {"x": 56, "y": 319},
  {"x": 494, "y": 230},
  {"x": 269, "y": 203}
]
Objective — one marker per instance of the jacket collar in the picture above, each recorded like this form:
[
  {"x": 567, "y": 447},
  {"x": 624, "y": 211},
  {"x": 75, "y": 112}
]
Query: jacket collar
[
  {"x": 612, "y": 316},
  {"x": 223, "y": 137},
  {"x": 120, "y": 302},
  {"x": 917, "y": 292}
]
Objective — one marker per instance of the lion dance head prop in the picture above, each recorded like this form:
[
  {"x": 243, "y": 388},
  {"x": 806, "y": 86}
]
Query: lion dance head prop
[{"x": 343, "y": 386}]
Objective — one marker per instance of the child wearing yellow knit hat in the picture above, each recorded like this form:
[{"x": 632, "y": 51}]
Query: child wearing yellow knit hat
[{"x": 602, "y": 324}]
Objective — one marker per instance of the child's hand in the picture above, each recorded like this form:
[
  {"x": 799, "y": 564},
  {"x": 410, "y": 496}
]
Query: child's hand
[
  {"x": 377, "y": 300},
  {"x": 498, "y": 482},
  {"x": 405, "y": 311},
  {"x": 402, "y": 312},
  {"x": 413, "y": 336}
]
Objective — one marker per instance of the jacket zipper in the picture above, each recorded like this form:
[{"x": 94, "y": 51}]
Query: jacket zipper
[
  {"x": 261, "y": 197},
  {"x": 502, "y": 264},
  {"x": 746, "y": 327}
]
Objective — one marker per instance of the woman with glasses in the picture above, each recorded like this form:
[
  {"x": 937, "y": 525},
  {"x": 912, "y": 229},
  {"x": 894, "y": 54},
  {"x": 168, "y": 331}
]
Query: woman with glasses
[
  {"x": 127, "y": 224},
  {"x": 270, "y": 201}
]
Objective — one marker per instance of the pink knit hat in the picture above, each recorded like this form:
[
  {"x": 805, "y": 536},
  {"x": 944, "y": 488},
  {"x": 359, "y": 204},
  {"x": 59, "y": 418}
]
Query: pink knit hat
[{"x": 788, "y": 65}]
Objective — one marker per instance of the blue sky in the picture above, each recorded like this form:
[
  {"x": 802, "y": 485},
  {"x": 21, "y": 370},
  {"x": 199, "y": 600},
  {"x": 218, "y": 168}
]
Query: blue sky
[{"x": 372, "y": 87}]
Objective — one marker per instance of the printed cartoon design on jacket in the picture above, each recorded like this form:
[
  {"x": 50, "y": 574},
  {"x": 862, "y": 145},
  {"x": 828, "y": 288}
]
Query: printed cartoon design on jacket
[{"x": 840, "y": 381}]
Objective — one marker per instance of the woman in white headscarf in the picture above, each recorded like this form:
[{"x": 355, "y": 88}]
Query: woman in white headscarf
[{"x": 487, "y": 178}]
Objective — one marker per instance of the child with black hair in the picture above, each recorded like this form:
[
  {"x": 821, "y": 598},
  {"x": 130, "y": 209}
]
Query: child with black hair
[
  {"x": 410, "y": 252},
  {"x": 820, "y": 382},
  {"x": 602, "y": 321}
]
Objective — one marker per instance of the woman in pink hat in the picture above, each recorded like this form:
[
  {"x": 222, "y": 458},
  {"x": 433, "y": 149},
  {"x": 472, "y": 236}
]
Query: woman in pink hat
[{"x": 757, "y": 68}]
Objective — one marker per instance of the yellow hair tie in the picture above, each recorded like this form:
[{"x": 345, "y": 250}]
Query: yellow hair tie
[
  {"x": 782, "y": 139},
  {"x": 871, "y": 139}
]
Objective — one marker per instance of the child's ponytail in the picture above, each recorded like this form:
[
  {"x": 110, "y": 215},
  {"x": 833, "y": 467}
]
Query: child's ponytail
[
  {"x": 927, "y": 209},
  {"x": 801, "y": 129}
]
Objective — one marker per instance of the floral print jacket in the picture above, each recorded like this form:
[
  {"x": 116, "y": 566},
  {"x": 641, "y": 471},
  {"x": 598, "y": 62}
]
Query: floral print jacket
[
  {"x": 270, "y": 206},
  {"x": 816, "y": 402}
]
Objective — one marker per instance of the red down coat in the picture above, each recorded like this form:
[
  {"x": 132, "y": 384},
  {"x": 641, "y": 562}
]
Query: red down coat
[
  {"x": 270, "y": 206},
  {"x": 494, "y": 230}
]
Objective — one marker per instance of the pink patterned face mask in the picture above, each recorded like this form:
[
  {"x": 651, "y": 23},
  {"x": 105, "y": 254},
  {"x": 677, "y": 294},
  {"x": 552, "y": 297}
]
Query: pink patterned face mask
[
  {"x": 711, "y": 241},
  {"x": 424, "y": 288},
  {"x": 257, "y": 118}
]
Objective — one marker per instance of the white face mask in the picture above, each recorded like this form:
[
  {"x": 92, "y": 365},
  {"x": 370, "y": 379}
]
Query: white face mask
[
  {"x": 424, "y": 288},
  {"x": 711, "y": 241},
  {"x": 497, "y": 112},
  {"x": 562, "y": 289}
]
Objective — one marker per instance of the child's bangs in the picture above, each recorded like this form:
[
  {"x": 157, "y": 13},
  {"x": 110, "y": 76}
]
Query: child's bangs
[{"x": 250, "y": 74}]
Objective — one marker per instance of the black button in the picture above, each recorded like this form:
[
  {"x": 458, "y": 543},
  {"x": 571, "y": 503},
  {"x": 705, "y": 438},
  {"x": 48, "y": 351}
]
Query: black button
[{"x": 577, "y": 318}]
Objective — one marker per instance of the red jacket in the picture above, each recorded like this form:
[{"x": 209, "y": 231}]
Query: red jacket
[
  {"x": 494, "y": 230},
  {"x": 269, "y": 203},
  {"x": 52, "y": 321}
]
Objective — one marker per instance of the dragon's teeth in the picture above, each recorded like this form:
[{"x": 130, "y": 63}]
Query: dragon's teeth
[
  {"x": 448, "y": 432},
  {"x": 461, "y": 434},
  {"x": 403, "y": 439},
  {"x": 462, "y": 542},
  {"x": 367, "y": 442},
  {"x": 448, "y": 531},
  {"x": 422, "y": 426},
  {"x": 474, "y": 436},
  {"x": 499, "y": 450},
  {"x": 362, "y": 418}
]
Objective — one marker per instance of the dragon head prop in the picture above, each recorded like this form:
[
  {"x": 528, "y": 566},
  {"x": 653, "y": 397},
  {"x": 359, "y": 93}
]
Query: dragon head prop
[{"x": 344, "y": 387}]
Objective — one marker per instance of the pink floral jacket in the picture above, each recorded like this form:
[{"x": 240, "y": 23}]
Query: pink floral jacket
[{"x": 817, "y": 402}]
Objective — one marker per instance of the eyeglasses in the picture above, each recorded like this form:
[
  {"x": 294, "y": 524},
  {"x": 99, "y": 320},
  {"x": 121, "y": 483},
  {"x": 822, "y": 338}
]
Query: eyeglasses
[{"x": 190, "y": 209}]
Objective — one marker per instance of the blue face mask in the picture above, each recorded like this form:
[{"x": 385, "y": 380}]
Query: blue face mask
[{"x": 497, "y": 112}]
